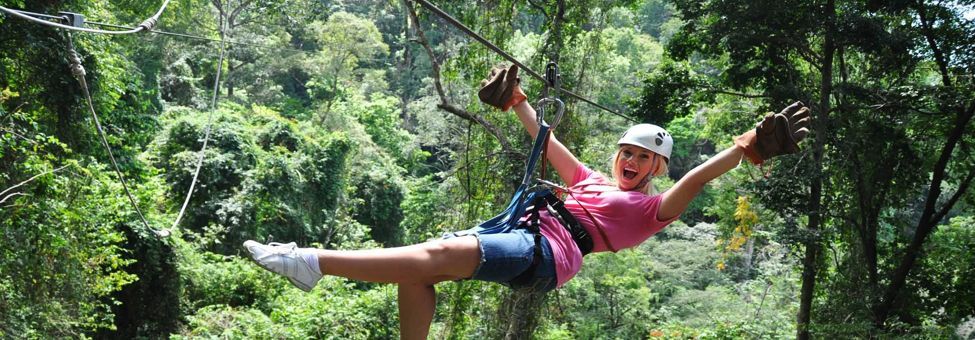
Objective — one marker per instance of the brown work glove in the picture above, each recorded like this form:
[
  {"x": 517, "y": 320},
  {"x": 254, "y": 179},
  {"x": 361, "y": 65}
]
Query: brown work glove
[
  {"x": 777, "y": 134},
  {"x": 501, "y": 88}
]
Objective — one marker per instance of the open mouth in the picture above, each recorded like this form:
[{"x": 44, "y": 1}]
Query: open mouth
[{"x": 629, "y": 174}]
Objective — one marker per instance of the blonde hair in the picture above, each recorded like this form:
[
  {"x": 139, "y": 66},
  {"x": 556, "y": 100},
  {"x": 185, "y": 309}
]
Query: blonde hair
[{"x": 649, "y": 188}]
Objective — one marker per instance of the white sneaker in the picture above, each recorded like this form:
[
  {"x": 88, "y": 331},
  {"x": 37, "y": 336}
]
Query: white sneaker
[{"x": 283, "y": 259}]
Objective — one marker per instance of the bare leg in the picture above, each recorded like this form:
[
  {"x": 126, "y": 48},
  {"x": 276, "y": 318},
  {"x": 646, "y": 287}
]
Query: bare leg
[
  {"x": 426, "y": 263},
  {"x": 415, "y": 268},
  {"x": 416, "y": 307}
]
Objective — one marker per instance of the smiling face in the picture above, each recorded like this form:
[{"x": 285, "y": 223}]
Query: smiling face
[{"x": 633, "y": 164}]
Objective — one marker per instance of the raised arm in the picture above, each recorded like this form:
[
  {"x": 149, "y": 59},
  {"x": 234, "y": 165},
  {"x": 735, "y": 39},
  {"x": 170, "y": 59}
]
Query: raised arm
[
  {"x": 502, "y": 90},
  {"x": 676, "y": 199},
  {"x": 777, "y": 134},
  {"x": 564, "y": 162}
]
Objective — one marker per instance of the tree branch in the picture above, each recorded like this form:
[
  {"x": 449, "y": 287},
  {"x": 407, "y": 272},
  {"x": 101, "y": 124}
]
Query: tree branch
[
  {"x": 505, "y": 145},
  {"x": 926, "y": 224},
  {"x": 939, "y": 57},
  {"x": 538, "y": 7},
  {"x": 444, "y": 101},
  {"x": 236, "y": 11},
  {"x": 12, "y": 195},
  {"x": 743, "y": 95},
  {"x": 28, "y": 181},
  {"x": 954, "y": 198}
]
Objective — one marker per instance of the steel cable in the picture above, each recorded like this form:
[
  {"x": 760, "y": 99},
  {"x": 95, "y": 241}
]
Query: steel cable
[
  {"x": 510, "y": 58},
  {"x": 146, "y": 25},
  {"x": 206, "y": 136},
  {"x": 78, "y": 71}
]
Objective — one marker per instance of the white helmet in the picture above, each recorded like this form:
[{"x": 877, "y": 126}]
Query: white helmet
[{"x": 650, "y": 137}]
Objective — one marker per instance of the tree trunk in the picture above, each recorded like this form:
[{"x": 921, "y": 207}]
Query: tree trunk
[
  {"x": 748, "y": 256},
  {"x": 230, "y": 82},
  {"x": 520, "y": 313},
  {"x": 816, "y": 187},
  {"x": 444, "y": 100},
  {"x": 929, "y": 218},
  {"x": 556, "y": 41},
  {"x": 520, "y": 309}
]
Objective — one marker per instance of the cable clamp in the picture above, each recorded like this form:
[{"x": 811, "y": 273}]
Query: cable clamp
[
  {"x": 73, "y": 19},
  {"x": 148, "y": 25},
  {"x": 77, "y": 70}
]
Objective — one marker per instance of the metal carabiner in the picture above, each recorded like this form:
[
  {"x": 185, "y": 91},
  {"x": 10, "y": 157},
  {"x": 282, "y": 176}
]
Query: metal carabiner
[{"x": 559, "y": 111}]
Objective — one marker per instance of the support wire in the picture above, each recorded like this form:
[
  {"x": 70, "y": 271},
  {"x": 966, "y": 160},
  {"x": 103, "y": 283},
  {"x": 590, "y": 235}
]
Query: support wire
[{"x": 510, "y": 58}]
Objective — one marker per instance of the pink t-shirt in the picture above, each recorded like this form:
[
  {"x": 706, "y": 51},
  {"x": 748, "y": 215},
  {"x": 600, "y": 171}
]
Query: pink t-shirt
[{"x": 628, "y": 218}]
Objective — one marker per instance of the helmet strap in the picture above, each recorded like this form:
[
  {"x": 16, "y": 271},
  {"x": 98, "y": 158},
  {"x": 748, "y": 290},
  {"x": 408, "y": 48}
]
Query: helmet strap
[{"x": 646, "y": 179}]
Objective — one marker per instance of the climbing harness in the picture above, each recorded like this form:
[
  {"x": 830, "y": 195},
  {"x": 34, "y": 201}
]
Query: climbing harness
[
  {"x": 530, "y": 199},
  {"x": 558, "y": 189}
]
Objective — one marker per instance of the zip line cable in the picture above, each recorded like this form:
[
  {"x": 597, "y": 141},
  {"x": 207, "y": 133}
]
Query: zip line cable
[
  {"x": 173, "y": 34},
  {"x": 206, "y": 136},
  {"x": 146, "y": 25},
  {"x": 196, "y": 37},
  {"x": 79, "y": 73},
  {"x": 510, "y": 58},
  {"x": 221, "y": 40}
]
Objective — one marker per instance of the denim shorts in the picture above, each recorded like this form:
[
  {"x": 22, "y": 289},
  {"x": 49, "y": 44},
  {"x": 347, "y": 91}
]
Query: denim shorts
[{"x": 505, "y": 256}]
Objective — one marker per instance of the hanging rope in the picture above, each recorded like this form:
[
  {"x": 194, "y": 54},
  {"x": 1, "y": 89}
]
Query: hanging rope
[
  {"x": 206, "y": 135},
  {"x": 145, "y": 26},
  {"x": 512, "y": 59},
  {"x": 78, "y": 71}
]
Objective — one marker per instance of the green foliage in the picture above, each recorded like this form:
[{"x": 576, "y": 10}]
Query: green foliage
[
  {"x": 423, "y": 208},
  {"x": 947, "y": 268},
  {"x": 332, "y": 311},
  {"x": 330, "y": 135},
  {"x": 378, "y": 195},
  {"x": 681, "y": 293},
  {"x": 337, "y": 311},
  {"x": 213, "y": 280},
  {"x": 670, "y": 91},
  {"x": 691, "y": 148},
  {"x": 70, "y": 237},
  {"x": 263, "y": 175},
  {"x": 151, "y": 305},
  {"x": 381, "y": 118},
  {"x": 611, "y": 298},
  {"x": 346, "y": 40},
  {"x": 62, "y": 259},
  {"x": 878, "y": 107},
  {"x": 222, "y": 321}
]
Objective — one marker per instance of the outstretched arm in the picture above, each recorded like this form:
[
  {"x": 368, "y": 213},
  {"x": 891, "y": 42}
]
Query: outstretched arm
[
  {"x": 502, "y": 90},
  {"x": 676, "y": 199},
  {"x": 777, "y": 134},
  {"x": 564, "y": 162}
]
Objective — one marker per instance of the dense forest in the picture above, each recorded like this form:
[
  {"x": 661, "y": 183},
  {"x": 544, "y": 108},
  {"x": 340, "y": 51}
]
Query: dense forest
[{"x": 356, "y": 124}]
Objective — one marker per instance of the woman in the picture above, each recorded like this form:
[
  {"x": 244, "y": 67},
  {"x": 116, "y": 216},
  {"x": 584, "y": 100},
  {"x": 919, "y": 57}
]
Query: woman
[{"x": 616, "y": 214}]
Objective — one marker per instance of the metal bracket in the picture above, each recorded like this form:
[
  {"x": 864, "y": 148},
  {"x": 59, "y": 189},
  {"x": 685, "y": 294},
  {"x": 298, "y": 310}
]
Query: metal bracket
[
  {"x": 73, "y": 19},
  {"x": 559, "y": 110},
  {"x": 553, "y": 77}
]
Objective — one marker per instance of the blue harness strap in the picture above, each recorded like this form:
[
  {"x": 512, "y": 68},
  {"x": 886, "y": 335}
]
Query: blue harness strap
[{"x": 523, "y": 198}]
